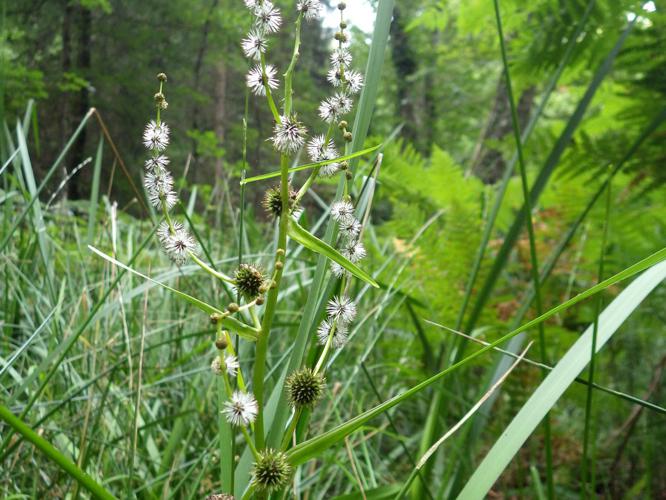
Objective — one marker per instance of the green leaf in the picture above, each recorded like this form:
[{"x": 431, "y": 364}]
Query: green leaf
[
  {"x": 562, "y": 376},
  {"x": 544, "y": 175},
  {"x": 309, "y": 449},
  {"x": 231, "y": 323},
  {"x": 380, "y": 493},
  {"x": 308, "y": 240},
  {"x": 311, "y": 165},
  {"x": 54, "y": 454}
]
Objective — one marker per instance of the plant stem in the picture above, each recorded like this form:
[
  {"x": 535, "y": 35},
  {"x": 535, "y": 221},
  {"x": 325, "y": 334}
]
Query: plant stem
[
  {"x": 587, "y": 459},
  {"x": 271, "y": 302},
  {"x": 51, "y": 452},
  {"x": 211, "y": 271},
  {"x": 290, "y": 430},
  {"x": 269, "y": 95},
  {"x": 530, "y": 231},
  {"x": 290, "y": 70}
]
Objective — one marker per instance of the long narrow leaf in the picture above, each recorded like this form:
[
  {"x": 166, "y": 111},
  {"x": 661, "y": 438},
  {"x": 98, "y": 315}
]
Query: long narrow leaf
[
  {"x": 562, "y": 376},
  {"x": 308, "y": 240},
  {"x": 307, "y": 166},
  {"x": 312, "y": 447},
  {"x": 50, "y": 451},
  {"x": 544, "y": 175},
  {"x": 231, "y": 323}
]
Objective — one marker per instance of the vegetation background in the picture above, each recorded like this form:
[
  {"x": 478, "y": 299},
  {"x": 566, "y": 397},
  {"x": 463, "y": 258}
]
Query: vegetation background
[{"x": 443, "y": 116}]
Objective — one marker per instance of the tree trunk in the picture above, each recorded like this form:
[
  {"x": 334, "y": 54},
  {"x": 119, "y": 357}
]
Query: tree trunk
[
  {"x": 405, "y": 63},
  {"x": 83, "y": 97},
  {"x": 489, "y": 164}
]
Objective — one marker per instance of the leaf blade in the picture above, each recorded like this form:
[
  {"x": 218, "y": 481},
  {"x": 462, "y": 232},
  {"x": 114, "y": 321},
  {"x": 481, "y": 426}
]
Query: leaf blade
[
  {"x": 307, "y": 166},
  {"x": 310, "y": 241}
]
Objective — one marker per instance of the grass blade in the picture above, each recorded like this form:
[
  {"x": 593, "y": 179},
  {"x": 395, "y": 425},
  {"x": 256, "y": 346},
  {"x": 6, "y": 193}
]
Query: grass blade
[
  {"x": 308, "y": 240},
  {"x": 231, "y": 323},
  {"x": 459, "y": 424},
  {"x": 527, "y": 214},
  {"x": 307, "y": 166},
  {"x": 50, "y": 451},
  {"x": 312, "y": 447},
  {"x": 94, "y": 192},
  {"x": 562, "y": 376},
  {"x": 544, "y": 175}
]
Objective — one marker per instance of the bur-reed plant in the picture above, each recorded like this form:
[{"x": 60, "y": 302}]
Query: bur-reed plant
[
  {"x": 243, "y": 391},
  {"x": 264, "y": 408}
]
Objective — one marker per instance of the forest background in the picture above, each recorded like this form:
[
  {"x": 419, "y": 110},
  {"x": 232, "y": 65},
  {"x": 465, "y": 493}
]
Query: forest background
[{"x": 444, "y": 120}]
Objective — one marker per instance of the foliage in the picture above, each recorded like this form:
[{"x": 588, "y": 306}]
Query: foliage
[{"x": 108, "y": 374}]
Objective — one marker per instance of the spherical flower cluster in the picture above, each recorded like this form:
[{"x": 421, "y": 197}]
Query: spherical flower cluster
[
  {"x": 159, "y": 184},
  {"x": 258, "y": 79},
  {"x": 304, "y": 388},
  {"x": 288, "y": 135},
  {"x": 249, "y": 281},
  {"x": 321, "y": 150},
  {"x": 241, "y": 409},
  {"x": 340, "y": 333},
  {"x": 271, "y": 471},
  {"x": 311, "y": 9},
  {"x": 230, "y": 365},
  {"x": 342, "y": 77},
  {"x": 267, "y": 20}
]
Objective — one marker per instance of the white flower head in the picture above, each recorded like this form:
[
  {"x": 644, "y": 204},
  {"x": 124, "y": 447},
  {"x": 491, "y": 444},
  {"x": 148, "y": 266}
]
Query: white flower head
[
  {"x": 177, "y": 242},
  {"x": 340, "y": 58},
  {"x": 241, "y": 409},
  {"x": 216, "y": 366},
  {"x": 232, "y": 365},
  {"x": 341, "y": 309},
  {"x": 329, "y": 170},
  {"x": 350, "y": 229},
  {"x": 334, "y": 77},
  {"x": 158, "y": 162},
  {"x": 268, "y": 17},
  {"x": 342, "y": 103},
  {"x": 252, "y": 5},
  {"x": 354, "y": 81},
  {"x": 340, "y": 334},
  {"x": 256, "y": 79},
  {"x": 319, "y": 149},
  {"x": 288, "y": 135},
  {"x": 159, "y": 186},
  {"x": 311, "y": 9},
  {"x": 342, "y": 211},
  {"x": 254, "y": 44},
  {"x": 164, "y": 231},
  {"x": 156, "y": 136},
  {"x": 354, "y": 251},
  {"x": 337, "y": 270},
  {"x": 328, "y": 111}
]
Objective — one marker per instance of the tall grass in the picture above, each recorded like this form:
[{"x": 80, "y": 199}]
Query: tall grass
[{"x": 104, "y": 391}]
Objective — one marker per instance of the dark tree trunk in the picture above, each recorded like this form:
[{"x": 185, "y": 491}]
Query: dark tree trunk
[
  {"x": 83, "y": 96},
  {"x": 489, "y": 163},
  {"x": 65, "y": 112},
  {"x": 405, "y": 63}
]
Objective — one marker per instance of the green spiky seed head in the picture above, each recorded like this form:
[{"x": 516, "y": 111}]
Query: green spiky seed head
[
  {"x": 273, "y": 201},
  {"x": 271, "y": 470},
  {"x": 249, "y": 281},
  {"x": 304, "y": 387}
]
